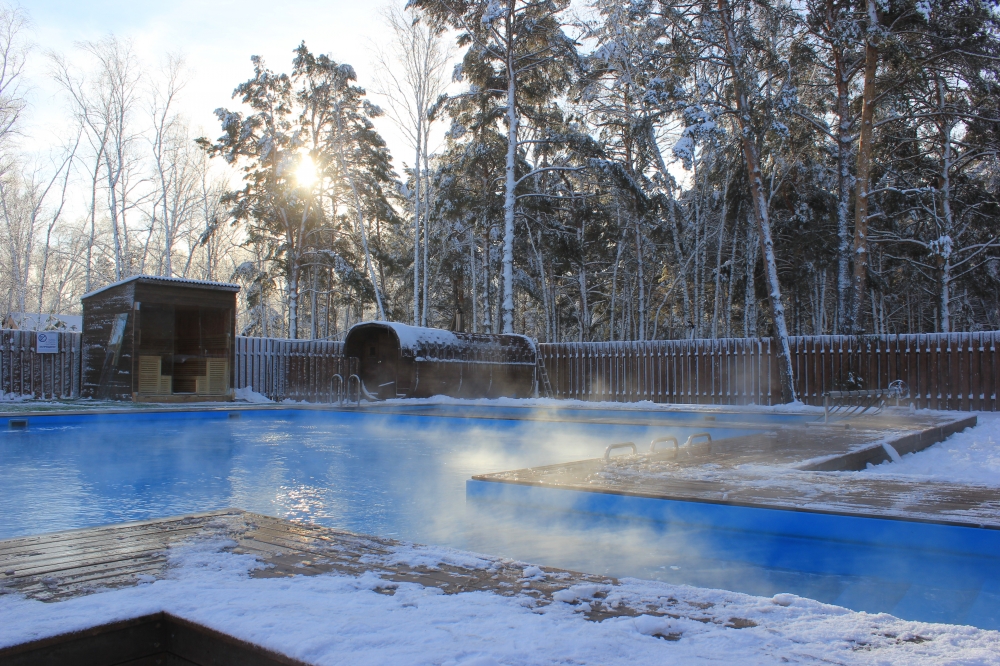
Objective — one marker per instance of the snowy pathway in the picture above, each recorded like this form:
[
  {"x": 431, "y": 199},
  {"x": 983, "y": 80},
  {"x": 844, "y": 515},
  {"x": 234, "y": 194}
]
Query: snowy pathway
[{"x": 530, "y": 616}]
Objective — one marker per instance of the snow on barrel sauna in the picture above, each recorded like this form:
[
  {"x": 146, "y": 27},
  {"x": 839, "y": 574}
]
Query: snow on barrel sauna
[
  {"x": 159, "y": 339},
  {"x": 401, "y": 361}
]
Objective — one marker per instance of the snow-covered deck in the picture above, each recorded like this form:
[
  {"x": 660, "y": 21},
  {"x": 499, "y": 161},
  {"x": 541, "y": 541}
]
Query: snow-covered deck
[
  {"x": 325, "y": 596},
  {"x": 785, "y": 468}
]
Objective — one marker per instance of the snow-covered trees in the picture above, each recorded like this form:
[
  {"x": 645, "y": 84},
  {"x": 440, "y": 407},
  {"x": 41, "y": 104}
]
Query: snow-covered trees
[
  {"x": 642, "y": 170},
  {"x": 411, "y": 75},
  {"x": 136, "y": 164},
  {"x": 313, "y": 170},
  {"x": 711, "y": 157},
  {"x": 517, "y": 58}
]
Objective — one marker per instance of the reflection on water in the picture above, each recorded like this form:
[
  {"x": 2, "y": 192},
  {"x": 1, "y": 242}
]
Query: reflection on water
[
  {"x": 381, "y": 474},
  {"x": 404, "y": 477}
]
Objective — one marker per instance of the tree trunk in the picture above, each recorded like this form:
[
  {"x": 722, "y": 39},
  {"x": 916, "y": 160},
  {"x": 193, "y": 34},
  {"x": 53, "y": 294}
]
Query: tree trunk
[
  {"x": 760, "y": 205},
  {"x": 416, "y": 232},
  {"x": 750, "y": 285},
  {"x": 864, "y": 175},
  {"x": 844, "y": 142},
  {"x": 614, "y": 291},
  {"x": 544, "y": 283},
  {"x": 293, "y": 300},
  {"x": 427, "y": 233},
  {"x": 640, "y": 284},
  {"x": 510, "y": 184},
  {"x": 732, "y": 281},
  {"x": 472, "y": 274},
  {"x": 675, "y": 229},
  {"x": 313, "y": 323},
  {"x": 945, "y": 239},
  {"x": 718, "y": 260}
]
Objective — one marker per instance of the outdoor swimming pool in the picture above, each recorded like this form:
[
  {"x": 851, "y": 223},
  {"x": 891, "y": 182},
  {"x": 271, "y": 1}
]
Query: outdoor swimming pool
[
  {"x": 387, "y": 474},
  {"x": 404, "y": 476}
]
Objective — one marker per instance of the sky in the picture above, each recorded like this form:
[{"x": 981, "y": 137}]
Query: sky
[{"x": 216, "y": 39}]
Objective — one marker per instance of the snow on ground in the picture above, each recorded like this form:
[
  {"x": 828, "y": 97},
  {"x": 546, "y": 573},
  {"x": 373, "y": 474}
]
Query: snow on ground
[
  {"x": 971, "y": 456},
  {"x": 332, "y": 618},
  {"x": 328, "y": 619},
  {"x": 247, "y": 394},
  {"x": 634, "y": 406}
]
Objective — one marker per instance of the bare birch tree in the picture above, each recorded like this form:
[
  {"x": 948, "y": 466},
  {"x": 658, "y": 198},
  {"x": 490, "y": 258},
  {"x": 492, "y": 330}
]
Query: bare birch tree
[{"x": 411, "y": 75}]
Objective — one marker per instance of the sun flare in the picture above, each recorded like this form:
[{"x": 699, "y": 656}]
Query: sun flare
[{"x": 305, "y": 173}]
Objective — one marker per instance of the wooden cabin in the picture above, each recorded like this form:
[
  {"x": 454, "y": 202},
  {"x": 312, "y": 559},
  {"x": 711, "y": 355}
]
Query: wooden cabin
[
  {"x": 159, "y": 339},
  {"x": 401, "y": 361}
]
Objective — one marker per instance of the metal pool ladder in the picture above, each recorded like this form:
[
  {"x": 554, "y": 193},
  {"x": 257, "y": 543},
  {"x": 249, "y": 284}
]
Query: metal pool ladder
[
  {"x": 691, "y": 440},
  {"x": 342, "y": 391}
]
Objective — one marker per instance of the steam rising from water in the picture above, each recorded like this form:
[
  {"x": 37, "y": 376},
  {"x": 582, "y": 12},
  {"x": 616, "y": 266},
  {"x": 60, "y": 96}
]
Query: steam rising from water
[{"x": 393, "y": 475}]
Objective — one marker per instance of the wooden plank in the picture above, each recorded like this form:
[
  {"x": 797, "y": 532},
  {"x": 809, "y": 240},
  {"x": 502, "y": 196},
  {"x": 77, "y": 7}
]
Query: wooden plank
[
  {"x": 158, "y": 524},
  {"x": 151, "y": 541},
  {"x": 300, "y": 549},
  {"x": 97, "y": 549},
  {"x": 994, "y": 380}
]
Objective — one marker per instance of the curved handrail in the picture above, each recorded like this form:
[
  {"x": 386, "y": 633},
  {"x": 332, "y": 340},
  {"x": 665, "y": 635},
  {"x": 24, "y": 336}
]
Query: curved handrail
[
  {"x": 619, "y": 445},
  {"x": 338, "y": 388},
  {"x": 666, "y": 438},
  {"x": 698, "y": 435},
  {"x": 357, "y": 383}
]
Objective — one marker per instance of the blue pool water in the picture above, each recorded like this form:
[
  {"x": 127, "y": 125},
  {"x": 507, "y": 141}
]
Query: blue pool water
[{"x": 404, "y": 476}]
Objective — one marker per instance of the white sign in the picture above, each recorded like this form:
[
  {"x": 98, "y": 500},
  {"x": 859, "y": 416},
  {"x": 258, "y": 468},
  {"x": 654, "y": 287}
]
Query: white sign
[{"x": 47, "y": 343}]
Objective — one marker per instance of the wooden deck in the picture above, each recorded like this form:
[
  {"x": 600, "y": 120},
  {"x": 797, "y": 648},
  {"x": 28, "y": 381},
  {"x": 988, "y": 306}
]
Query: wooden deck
[
  {"x": 787, "y": 468},
  {"x": 58, "y": 566}
]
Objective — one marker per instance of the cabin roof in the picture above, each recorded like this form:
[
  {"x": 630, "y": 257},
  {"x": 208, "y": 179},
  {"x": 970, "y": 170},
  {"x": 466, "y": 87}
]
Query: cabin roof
[
  {"x": 436, "y": 344},
  {"x": 160, "y": 279}
]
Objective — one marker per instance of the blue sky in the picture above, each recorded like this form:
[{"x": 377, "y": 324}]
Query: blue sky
[{"x": 215, "y": 37}]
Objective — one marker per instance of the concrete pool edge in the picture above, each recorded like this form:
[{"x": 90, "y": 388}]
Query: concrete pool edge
[
  {"x": 608, "y": 414},
  {"x": 888, "y": 531},
  {"x": 877, "y": 453}
]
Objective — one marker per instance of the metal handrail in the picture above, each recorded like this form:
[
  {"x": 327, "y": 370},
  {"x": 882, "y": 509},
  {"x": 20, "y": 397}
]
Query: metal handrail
[
  {"x": 619, "y": 445},
  {"x": 338, "y": 392},
  {"x": 666, "y": 438},
  {"x": 357, "y": 383},
  {"x": 706, "y": 435},
  {"x": 868, "y": 399}
]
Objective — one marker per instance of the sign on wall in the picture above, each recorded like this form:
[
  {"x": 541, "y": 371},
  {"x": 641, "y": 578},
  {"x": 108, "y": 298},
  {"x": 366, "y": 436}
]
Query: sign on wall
[{"x": 47, "y": 343}]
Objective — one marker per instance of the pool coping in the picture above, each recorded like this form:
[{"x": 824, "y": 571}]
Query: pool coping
[
  {"x": 495, "y": 486},
  {"x": 612, "y": 414},
  {"x": 980, "y": 540}
]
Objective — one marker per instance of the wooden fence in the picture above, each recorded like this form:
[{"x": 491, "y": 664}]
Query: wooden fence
[
  {"x": 278, "y": 369},
  {"x": 665, "y": 371},
  {"x": 26, "y": 373},
  {"x": 291, "y": 369},
  {"x": 957, "y": 371}
]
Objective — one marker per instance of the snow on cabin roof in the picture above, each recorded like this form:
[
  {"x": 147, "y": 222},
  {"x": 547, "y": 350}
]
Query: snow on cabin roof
[
  {"x": 426, "y": 344},
  {"x": 160, "y": 279},
  {"x": 33, "y": 321}
]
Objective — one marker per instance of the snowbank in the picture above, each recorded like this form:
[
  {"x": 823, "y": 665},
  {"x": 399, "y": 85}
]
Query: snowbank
[
  {"x": 637, "y": 406},
  {"x": 328, "y": 619},
  {"x": 247, "y": 394},
  {"x": 972, "y": 456}
]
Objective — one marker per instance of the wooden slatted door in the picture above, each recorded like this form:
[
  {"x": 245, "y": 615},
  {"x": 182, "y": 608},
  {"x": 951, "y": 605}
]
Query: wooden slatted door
[
  {"x": 217, "y": 370},
  {"x": 149, "y": 375}
]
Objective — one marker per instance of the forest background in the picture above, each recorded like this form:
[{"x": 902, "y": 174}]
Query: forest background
[{"x": 611, "y": 171}]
